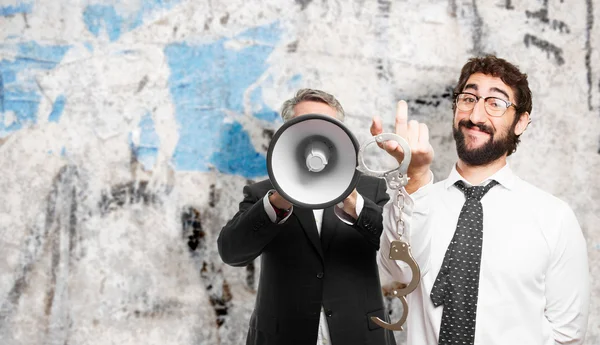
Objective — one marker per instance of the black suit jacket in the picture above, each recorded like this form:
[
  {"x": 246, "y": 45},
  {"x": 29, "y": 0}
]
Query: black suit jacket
[{"x": 300, "y": 271}]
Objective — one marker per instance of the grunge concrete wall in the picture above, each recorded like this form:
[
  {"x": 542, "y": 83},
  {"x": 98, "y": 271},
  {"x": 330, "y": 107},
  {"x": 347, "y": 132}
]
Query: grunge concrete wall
[{"x": 128, "y": 128}]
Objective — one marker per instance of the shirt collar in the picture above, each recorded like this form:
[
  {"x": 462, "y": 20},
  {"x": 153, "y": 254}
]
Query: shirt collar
[{"x": 504, "y": 176}]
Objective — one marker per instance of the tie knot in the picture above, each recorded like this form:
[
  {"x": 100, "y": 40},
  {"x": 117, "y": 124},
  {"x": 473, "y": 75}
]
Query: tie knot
[{"x": 475, "y": 192}]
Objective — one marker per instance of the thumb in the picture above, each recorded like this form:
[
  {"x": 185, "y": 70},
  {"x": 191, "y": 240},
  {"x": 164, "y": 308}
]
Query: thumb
[{"x": 376, "y": 127}]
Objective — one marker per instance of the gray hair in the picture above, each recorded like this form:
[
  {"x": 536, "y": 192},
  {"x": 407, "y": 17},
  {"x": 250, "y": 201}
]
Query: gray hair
[{"x": 287, "y": 110}]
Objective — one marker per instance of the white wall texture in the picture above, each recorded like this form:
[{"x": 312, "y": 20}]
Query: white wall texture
[{"x": 128, "y": 128}]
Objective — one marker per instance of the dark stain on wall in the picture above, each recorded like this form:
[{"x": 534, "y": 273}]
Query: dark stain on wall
[
  {"x": 27, "y": 21},
  {"x": 588, "y": 49},
  {"x": 207, "y": 23},
  {"x": 432, "y": 100},
  {"x": 192, "y": 228},
  {"x": 142, "y": 84},
  {"x": 213, "y": 195},
  {"x": 220, "y": 299},
  {"x": 60, "y": 225},
  {"x": 292, "y": 47},
  {"x": 452, "y": 8},
  {"x": 127, "y": 193},
  {"x": 385, "y": 7},
  {"x": 382, "y": 73},
  {"x": 268, "y": 134},
  {"x": 303, "y": 3},
  {"x": 224, "y": 19},
  {"x": 542, "y": 15},
  {"x": 556, "y": 25},
  {"x": 477, "y": 35},
  {"x": 418, "y": 105},
  {"x": 13, "y": 296},
  {"x": 154, "y": 310},
  {"x": 60, "y": 217},
  {"x": 382, "y": 64},
  {"x": 549, "y": 48},
  {"x": 508, "y": 5}
]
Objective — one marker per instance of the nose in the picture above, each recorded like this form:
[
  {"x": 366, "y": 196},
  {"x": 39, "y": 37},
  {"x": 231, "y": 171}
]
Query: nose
[{"x": 478, "y": 115}]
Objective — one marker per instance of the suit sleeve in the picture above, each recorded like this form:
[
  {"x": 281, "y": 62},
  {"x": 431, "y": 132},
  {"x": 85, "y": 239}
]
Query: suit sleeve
[
  {"x": 245, "y": 236},
  {"x": 370, "y": 219}
]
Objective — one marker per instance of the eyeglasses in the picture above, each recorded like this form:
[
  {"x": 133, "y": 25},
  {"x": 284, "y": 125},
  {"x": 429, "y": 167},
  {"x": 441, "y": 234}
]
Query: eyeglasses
[{"x": 493, "y": 106}]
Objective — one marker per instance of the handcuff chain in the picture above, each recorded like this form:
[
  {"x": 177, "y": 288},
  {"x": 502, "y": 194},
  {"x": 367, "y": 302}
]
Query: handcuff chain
[{"x": 395, "y": 180}]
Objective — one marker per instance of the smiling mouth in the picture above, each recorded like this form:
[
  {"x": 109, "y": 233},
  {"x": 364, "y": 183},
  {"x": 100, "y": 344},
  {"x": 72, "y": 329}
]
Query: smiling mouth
[{"x": 476, "y": 129}]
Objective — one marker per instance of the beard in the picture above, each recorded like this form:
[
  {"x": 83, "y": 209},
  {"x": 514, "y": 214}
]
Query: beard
[{"x": 489, "y": 151}]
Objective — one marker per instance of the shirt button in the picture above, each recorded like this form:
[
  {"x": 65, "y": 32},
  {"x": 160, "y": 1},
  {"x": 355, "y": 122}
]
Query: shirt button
[
  {"x": 320, "y": 275},
  {"x": 328, "y": 313}
]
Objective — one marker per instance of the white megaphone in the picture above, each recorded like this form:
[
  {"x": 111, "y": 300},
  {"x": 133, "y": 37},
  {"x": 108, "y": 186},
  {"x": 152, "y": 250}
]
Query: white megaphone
[{"x": 313, "y": 160}]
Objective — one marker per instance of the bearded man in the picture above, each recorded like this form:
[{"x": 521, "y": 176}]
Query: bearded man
[{"x": 502, "y": 262}]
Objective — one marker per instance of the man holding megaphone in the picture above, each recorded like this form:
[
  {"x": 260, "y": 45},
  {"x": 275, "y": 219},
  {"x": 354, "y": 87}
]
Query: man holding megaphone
[{"x": 316, "y": 223}]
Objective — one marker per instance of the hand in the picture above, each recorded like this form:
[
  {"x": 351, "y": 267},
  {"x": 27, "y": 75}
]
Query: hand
[
  {"x": 279, "y": 202},
  {"x": 350, "y": 204},
  {"x": 417, "y": 136}
]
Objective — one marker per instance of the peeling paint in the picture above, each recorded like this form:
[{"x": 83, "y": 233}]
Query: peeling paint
[
  {"x": 208, "y": 81},
  {"x": 20, "y": 92}
]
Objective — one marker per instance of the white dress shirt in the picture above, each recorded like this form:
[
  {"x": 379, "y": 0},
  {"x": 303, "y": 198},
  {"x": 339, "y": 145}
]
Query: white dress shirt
[
  {"x": 534, "y": 279},
  {"x": 323, "y": 337}
]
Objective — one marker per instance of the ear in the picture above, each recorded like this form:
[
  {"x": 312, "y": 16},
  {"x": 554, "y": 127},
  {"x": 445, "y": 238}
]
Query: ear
[{"x": 522, "y": 123}]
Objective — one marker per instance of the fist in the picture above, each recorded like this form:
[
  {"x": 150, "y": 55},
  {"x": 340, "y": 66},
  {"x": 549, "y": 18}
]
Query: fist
[
  {"x": 349, "y": 204},
  {"x": 279, "y": 202}
]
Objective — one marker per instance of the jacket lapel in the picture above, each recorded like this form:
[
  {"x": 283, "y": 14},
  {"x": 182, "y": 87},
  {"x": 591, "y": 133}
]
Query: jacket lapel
[{"x": 306, "y": 217}]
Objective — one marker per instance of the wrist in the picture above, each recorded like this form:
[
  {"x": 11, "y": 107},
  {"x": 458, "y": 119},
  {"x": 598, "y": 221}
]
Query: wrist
[
  {"x": 417, "y": 180},
  {"x": 419, "y": 175}
]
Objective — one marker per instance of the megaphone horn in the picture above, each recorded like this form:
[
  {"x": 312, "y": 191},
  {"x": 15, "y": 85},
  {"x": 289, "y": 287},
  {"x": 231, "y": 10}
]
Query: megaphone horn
[{"x": 312, "y": 161}]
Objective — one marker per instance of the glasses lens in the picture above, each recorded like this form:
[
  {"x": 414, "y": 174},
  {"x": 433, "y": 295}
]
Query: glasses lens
[
  {"x": 495, "y": 106},
  {"x": 465, "y": 101}
]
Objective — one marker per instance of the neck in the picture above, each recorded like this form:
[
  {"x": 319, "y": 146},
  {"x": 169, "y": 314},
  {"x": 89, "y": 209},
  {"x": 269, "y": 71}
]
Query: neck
[{"x": 475, "y": 174}]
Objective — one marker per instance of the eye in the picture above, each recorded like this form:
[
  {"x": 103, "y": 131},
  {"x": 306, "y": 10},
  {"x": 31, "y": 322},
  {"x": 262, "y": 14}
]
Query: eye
[
  {"x": 468, "y": 99},
  {"x": 496, "y": 103}
]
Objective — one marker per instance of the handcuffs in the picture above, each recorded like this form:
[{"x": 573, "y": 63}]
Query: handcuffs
[{"x": 399, "y": 249}]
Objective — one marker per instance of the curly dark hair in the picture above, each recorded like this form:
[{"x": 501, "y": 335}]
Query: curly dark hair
[{"x": 509, "y": 74}]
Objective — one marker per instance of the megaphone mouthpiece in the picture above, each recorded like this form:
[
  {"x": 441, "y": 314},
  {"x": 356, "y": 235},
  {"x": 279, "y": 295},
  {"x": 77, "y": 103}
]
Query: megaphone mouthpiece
[{"x": 317, "y": 155}]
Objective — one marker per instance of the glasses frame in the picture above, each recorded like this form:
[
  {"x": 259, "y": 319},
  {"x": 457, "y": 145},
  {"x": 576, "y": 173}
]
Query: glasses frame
[{"x": 478, "y": 98}]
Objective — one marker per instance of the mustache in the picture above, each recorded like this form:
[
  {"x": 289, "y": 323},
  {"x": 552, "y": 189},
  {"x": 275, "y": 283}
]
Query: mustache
[{"x": 468, "y": 124}]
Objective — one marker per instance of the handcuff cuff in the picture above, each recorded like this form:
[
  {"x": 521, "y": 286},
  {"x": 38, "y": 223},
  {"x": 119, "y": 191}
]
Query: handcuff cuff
[{"x": 399, "y": 249}]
